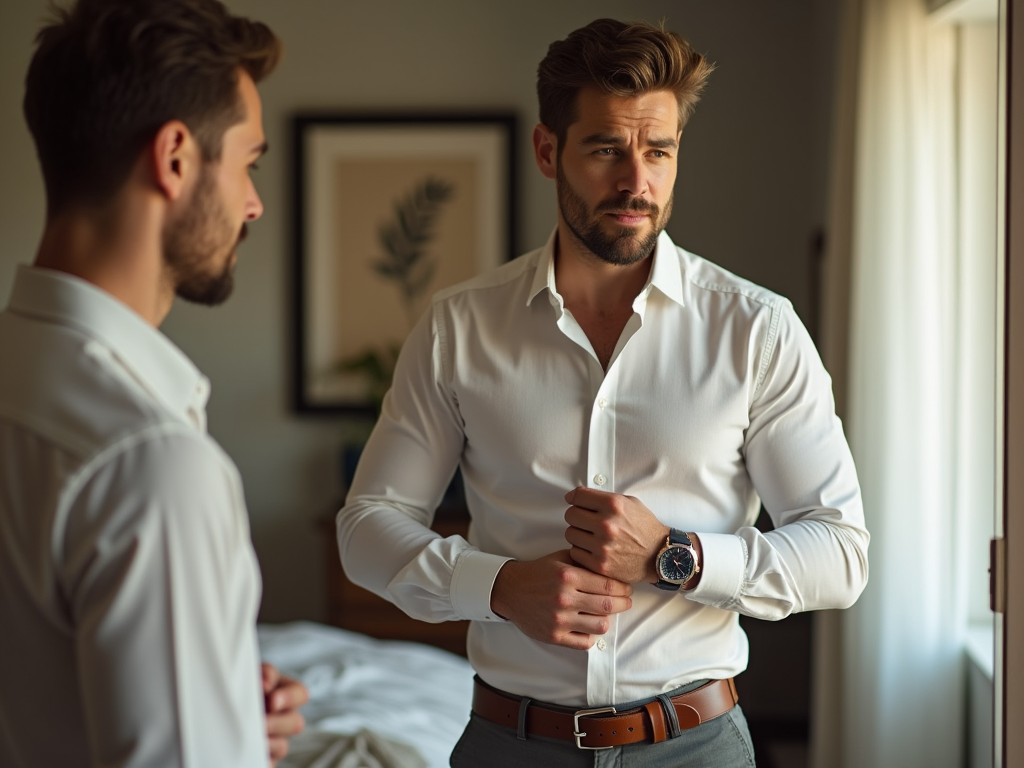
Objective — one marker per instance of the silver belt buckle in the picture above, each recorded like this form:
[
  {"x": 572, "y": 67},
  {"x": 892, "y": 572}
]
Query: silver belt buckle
[{"x": 576, "y": 724}]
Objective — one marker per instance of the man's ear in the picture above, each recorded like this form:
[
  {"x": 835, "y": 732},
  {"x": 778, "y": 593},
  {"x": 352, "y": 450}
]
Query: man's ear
[
  {"x": 545, "y": 150},
  {"x": 173, "y": 155}
]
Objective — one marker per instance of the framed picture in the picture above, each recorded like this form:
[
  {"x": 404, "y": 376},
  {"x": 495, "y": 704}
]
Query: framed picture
[{"x": 389, "y": 210}]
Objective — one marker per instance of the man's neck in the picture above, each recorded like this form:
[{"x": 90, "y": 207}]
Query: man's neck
[
  {"x": 591, "y": 285},
  {"x": 599, "y": 295},
  {"x": 116, "y": 248}
]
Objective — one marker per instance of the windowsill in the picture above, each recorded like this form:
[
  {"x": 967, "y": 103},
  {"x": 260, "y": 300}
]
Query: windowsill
[{"x": 980, "y": 646}]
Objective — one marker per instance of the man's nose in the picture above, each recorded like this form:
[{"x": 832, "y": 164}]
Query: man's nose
[{"x": 633, "y": 175}]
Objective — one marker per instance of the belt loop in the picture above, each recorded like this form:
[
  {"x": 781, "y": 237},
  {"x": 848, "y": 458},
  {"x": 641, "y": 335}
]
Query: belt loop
[
  {"x": 658, "y": 731},
  {"x": 670, "y": 715},
  {"x": 521, "y": 730}
]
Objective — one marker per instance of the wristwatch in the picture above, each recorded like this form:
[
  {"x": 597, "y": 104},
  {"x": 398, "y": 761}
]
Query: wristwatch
[{"x": 677, "y": 562}]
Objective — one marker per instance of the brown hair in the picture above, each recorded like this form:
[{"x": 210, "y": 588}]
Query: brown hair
[
  {"x": 620, "y": 59},
  {"x": 107, "y": 74}
]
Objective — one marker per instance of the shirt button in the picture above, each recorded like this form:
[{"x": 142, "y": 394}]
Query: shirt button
[
  {"x": 601, "y": 644},
  {"x": 602, "y": 403},
  {"x": 599, "y": 479}
]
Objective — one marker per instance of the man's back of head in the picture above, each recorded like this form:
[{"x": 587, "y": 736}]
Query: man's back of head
[{"x": 107, "y": 74}]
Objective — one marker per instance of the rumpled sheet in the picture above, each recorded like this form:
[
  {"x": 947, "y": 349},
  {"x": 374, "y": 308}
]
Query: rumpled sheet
[
  {"x": 403, "y": 705},
  {"x": 319, "y": 749}
]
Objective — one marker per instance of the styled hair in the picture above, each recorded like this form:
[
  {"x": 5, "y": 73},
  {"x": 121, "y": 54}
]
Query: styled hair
[
  {"x": 622, "y": 60},
  {"x": 107, "y": 74}
]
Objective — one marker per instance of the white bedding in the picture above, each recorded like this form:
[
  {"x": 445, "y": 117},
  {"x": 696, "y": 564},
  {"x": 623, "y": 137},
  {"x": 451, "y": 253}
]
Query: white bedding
[{"x": 409, "y": 693}]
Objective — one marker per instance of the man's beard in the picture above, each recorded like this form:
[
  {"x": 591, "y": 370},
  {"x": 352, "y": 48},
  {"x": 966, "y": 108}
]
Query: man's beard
[
  {"x": 191, "y": 243},
  {"x": 622, "y": 249}
]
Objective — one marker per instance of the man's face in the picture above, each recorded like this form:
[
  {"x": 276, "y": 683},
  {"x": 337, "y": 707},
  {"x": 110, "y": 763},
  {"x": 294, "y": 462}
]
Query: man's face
[
  {"x": 615, "y": 173},
  {"x": 200, "y": 244}
]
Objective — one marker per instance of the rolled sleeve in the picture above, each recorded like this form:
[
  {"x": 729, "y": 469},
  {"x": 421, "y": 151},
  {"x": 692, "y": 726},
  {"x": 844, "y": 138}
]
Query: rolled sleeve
[
  {"x": 472, "y": 582},
  {"x": 384, "y": 539},
  {"x": 800, "y": 463},
  {"x": 722, "y": 572}
]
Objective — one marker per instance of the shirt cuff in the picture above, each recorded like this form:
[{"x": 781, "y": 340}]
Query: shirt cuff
[
  {"x": 471, "y": 586},
  {"x": 722, "y": 570}
]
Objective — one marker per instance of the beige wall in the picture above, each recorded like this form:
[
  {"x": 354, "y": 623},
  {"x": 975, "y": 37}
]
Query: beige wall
[{"x": 750, "y": 192}]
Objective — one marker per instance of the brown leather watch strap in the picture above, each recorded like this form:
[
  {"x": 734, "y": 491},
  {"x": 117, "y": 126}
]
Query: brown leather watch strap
[{"x": 602, "y": 729}]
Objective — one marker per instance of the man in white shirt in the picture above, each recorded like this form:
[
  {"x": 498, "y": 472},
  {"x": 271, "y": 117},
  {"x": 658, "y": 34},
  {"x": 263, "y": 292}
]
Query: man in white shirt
[
  {"x": 128, "y": 582},
  {"x": 619, "y": 409}
]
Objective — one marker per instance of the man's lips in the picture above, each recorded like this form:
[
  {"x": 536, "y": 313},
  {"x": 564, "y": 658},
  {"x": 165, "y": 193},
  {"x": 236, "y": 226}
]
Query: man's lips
[{"x": 628, "y": 217}]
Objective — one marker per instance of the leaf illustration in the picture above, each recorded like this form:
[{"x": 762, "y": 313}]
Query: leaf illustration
[{"x": 405, "y": 238}]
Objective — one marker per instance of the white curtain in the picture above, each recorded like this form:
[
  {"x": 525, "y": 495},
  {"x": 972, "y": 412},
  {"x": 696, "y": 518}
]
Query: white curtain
[{"x": 902, "y": 669}]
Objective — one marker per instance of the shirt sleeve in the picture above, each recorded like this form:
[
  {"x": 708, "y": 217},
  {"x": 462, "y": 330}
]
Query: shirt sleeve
[
  {"x": 800, "y": 464},
  {"x": 384, "y": 539},
  {"x": 162, "y": 584}
]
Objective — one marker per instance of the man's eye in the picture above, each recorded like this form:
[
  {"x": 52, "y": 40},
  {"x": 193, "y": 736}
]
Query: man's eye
[{"x": 253, "y": 167}]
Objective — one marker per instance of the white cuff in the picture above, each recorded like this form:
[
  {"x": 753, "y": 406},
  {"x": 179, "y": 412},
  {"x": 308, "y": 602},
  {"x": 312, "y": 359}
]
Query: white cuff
[
  {"x": 472, "y": 580},
  {"x": 723, "y": 565}
]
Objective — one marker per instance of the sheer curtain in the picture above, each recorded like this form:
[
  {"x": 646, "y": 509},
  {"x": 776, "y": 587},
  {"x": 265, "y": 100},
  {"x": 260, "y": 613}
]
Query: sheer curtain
[{"x": 902, "y": 668}]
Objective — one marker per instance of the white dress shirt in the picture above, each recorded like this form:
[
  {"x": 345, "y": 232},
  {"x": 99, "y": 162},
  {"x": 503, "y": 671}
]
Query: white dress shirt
[
  {"x": 714, "y": 400},
  {"x": 128, "y": 582}
]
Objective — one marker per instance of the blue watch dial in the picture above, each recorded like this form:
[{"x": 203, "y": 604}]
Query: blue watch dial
[{"x": 675, "y": 564}]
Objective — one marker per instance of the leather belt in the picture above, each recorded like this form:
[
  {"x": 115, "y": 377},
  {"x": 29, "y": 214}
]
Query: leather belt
[{"x": 604, "y": 727}]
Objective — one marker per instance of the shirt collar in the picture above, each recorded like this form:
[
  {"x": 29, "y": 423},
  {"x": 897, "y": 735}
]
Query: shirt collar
[
  {"x": 666, "y": 272},
  {"x": 544, "y": 274},
  {"x": 149, "y": 356}
]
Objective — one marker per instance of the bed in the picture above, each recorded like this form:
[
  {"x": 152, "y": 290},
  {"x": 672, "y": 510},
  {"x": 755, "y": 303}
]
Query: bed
[{"x": 373, "y": 703}]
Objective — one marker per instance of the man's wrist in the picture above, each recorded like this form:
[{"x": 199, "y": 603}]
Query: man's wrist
[
  {"x": 652, "y": 569},
  {"x": 498, "y": 608}
]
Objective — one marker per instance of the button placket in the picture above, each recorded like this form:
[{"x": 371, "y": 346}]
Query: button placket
[
  {"x": 601, "y": 446},
  {"x": 601, "y": 672}
]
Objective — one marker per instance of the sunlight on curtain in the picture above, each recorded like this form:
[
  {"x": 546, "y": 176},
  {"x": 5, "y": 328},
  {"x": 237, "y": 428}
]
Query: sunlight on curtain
[{"x": 902, "y": 668}]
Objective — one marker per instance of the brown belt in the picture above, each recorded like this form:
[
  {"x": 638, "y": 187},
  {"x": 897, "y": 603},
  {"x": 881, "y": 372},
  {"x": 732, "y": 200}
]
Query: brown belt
[{"x": 603, "y": 727}]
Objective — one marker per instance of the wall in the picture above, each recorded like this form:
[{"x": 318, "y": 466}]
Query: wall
[{"x": 750, "y": 192}]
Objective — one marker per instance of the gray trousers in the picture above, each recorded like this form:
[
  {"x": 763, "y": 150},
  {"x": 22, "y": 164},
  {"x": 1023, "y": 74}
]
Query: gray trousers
[{"x": 720, "y": 743}]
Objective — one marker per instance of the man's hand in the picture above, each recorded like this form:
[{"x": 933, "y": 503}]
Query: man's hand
[
  {"x": 282, "y": 698},
  {"x": 613, "y": 535},
  {"x": 555, "y": 601}
]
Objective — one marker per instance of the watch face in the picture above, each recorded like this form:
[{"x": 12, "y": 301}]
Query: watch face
[{"x": 675, "y": 564}]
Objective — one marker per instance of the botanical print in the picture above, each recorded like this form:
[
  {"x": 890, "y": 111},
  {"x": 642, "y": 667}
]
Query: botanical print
[
  {"x": 389, "y": 210},
  {"x": 404, "y": 229}
]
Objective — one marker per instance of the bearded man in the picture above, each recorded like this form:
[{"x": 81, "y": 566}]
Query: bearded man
[
  {"x": 619, "y": 408},
  {"x": 128, "y": 582}
]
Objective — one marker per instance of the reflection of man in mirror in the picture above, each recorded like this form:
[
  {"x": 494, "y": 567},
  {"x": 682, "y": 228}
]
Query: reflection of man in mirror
[
  {"x": 619, "y": 408},
  {"x": 128, "y": 582}
]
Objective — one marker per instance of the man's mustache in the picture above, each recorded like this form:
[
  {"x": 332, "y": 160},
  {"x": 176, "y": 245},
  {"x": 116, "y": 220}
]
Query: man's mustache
[{"x": 632, "y": 204}]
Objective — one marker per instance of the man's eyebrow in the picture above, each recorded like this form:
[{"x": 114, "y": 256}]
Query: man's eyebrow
[
  {"x": 668, "y": 142},
  {"x": 606, "y": 139},
  {"x": 260, "y": 149},
  {"x": 603, "y": 138}
]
